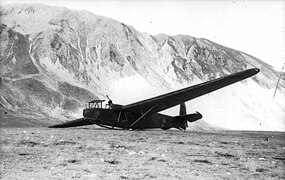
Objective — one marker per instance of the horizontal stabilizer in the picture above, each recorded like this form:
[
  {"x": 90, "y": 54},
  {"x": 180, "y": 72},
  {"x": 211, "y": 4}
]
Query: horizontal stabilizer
[{"x": 190, "y": 117}]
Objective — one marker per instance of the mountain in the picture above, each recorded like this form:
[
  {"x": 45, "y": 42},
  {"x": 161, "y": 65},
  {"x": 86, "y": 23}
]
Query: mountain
[{"x": 54, "y": 60}]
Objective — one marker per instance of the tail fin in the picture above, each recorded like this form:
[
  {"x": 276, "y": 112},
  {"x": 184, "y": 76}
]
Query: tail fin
[
  {"x": 182, "y": 110},
  {"x": 183, "y": 117}
]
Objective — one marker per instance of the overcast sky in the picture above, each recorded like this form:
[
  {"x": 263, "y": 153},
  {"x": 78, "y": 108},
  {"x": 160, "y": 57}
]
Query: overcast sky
[{"x": 256, "y": 27}]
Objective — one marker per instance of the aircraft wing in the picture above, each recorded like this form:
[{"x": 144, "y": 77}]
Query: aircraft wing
[{"x": 171, "y": 99}]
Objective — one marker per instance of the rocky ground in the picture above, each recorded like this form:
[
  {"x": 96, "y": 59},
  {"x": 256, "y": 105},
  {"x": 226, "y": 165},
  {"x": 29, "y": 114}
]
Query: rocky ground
[{"x": 96, "y": 153}]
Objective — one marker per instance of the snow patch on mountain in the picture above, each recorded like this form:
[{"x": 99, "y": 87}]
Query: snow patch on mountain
[{"x": 131, "y": 89}]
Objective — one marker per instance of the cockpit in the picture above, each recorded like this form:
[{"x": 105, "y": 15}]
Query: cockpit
[{"x": 98, "y": 104}]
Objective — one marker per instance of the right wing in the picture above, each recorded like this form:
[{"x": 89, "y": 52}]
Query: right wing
[{"x": 162, "y": 102}]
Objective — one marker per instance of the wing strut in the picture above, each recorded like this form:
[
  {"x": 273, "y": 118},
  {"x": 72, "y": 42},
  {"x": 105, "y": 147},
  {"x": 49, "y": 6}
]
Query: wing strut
[
  {"x": 143, "y": 115},
  {"x": 119, "y": 116}
]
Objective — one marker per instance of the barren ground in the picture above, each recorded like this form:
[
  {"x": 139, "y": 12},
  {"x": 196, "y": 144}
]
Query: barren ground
[{"x": 96, "y": 153}]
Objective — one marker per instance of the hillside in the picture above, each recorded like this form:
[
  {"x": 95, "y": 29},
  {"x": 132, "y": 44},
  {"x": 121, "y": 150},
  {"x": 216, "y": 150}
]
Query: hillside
[{"x": 54, "y": 60}]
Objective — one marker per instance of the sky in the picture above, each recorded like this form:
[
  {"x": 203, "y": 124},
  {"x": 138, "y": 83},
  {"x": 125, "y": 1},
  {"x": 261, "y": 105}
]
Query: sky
[{"x": 256, "y": 27}]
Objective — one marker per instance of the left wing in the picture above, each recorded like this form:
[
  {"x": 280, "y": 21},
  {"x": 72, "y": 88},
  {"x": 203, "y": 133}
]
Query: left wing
[{"x": 171, "y": 99}]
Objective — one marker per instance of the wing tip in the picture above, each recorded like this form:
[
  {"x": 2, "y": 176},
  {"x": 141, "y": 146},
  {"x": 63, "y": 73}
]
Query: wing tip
[{"x": 256, "y": 70}]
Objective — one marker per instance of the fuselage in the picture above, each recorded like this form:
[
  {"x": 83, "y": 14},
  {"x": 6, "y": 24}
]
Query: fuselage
[{"x": 125, "y": 120}]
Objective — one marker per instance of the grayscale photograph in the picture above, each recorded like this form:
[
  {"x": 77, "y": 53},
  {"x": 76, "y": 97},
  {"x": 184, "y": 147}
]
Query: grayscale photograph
[{"x": 142, "y": 89}]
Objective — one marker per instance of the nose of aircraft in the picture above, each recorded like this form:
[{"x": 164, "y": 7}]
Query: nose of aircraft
[{"x": 87, "y": 112}]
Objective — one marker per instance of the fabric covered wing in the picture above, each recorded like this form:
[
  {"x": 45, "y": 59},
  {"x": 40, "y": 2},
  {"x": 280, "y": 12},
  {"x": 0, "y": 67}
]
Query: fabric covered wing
[
  {"x": 74, "y": 123},
  {"x": 171, "y": 99}
]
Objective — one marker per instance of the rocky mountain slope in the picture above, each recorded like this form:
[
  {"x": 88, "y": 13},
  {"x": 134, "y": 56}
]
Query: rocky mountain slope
[{"x": 54, "y": 60}]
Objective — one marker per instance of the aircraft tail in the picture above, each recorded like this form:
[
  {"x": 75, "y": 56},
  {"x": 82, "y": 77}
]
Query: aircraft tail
[
  {"x": 182, "y": 110},
  {"x": 183, "y": 117}
]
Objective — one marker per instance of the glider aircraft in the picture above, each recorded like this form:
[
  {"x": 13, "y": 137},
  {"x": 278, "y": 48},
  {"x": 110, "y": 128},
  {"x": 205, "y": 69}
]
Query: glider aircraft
[{"x": 145, "y": 114}]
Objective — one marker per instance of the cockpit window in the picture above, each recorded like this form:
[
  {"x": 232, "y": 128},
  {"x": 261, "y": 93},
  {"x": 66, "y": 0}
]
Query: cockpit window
[{"x": 98, "y": 104}]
